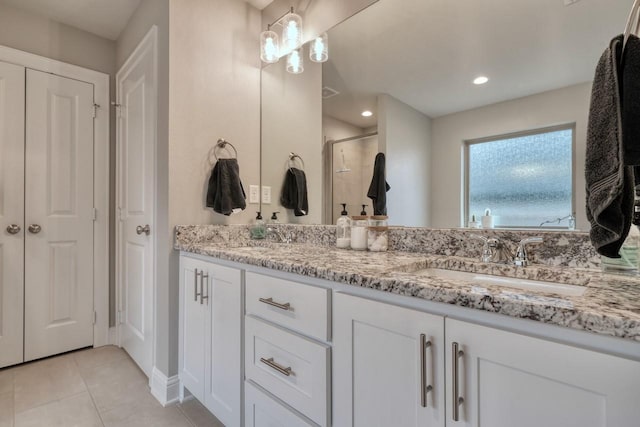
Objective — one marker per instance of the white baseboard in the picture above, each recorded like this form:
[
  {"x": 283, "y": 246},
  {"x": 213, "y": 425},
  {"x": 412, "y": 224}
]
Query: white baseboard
[
  {"x": 166, "y": 390},
  {"x": 113, "y": 336}
]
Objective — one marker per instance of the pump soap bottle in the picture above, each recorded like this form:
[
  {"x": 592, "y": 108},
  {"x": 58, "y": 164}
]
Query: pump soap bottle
[
  {"x": 258, "y": 230},
  {"x": 343, "y": 229}
]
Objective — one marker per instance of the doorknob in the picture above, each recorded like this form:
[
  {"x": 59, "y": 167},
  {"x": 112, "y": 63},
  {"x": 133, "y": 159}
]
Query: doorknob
[
  {"x": 34, "y": 228},
  {"x": 146, "y": 229},
  {"x": 13, "y": 229}
]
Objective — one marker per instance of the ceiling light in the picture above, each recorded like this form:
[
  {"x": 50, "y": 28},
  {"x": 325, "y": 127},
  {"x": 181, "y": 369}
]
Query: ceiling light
[
  {"x": 480, "y": 80},
  {"x": 367, "y": 113},
  {"x": 295, "y": 64},
  {"x": 319, "y": 50},
  {"x": 291, "y": 31},
  {"x": 269, "y": 47}
]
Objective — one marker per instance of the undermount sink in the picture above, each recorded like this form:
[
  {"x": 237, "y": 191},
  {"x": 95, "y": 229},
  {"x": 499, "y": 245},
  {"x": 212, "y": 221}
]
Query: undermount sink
[{"x": 511, "y": 282}]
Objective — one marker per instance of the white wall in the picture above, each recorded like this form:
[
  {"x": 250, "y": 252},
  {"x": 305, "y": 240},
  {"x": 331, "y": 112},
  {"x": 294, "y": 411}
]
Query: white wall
[
  {"x": 405, "y": 137},
  {"x": 149, "y": 13},
  {"x": 562, "y": 106},
  {"x": 292, "y": 122}
]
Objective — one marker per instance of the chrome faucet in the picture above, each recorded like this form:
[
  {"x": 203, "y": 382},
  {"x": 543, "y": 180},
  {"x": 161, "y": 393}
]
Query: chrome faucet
[
  {"x": 521, "y": 259},
  {"x": 281, "y": 237},
  {"x": 493, "y": 250}
]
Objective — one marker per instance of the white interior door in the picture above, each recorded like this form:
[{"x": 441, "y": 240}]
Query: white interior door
[
  {"x": 136, "y": 83},
  {"x": 59, "y": 215},
  {"x": 11, "y": 213}
]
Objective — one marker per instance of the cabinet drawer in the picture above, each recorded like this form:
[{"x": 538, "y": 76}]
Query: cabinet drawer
[
  {"x": 307, "y": 311},
  {"x": 262, "y": 410},
  {"x": 293, "y": 368}
]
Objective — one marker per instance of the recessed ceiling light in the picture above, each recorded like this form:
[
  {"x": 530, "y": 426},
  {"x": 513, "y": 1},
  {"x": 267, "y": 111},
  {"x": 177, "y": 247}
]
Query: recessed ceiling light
[
  {"x": 480, "y": 80},
  {"x": 367, "y": 113}
]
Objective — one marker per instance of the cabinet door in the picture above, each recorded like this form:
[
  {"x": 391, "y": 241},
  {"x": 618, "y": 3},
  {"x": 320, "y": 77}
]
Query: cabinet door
[
  {"x": 192, "y": 326},
  {"x": 506, "y": 379},
  {"x": 223, "y": 355},
  {"x": 380, "y": 367}
]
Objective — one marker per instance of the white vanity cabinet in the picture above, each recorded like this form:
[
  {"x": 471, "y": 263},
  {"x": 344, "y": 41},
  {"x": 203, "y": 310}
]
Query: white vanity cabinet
[
  {"x": 507, "y": 379},
  {"x": 499, "y": 378},
  {"x": 210, "y": 357},
  {"x": 384, "y": 357}
]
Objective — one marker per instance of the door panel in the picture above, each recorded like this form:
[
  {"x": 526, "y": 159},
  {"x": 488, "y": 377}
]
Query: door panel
[
  {"x": 59, "y": 200},
  {"x": 136, "y": 150},
  {"x": 11, "y": 212}
]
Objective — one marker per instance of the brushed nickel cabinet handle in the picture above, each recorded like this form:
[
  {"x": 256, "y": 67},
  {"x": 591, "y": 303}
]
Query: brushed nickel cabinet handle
[
  {"x": 13, "y": 229},
  {"x": 458, "y": 400},
  {"x": 202, "y": 287},
  {"x": 425, "y": 387},
  {"x": 273, "y": 365},
  {"x": 34, "y": 229},
  {"x": 146, "y": 229},
  {"x": 195, "y": 284},
  {"x": 270, "y": 301}
]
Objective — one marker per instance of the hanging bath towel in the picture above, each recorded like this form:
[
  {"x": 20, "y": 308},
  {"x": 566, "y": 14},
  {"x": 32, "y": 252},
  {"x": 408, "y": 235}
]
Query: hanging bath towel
[
  {"x": 225, "y": 193},
  {"x": 379, "y": 186},
  {"x": 294, "y": 192}
]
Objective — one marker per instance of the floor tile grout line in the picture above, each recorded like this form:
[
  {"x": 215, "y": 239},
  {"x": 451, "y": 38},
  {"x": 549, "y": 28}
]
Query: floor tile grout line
[
  {"x": 184, "y": 414},
  {"x": 93, "y": 402}
]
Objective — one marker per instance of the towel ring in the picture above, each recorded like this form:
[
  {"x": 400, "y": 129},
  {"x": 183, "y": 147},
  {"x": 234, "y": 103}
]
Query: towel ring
[
  {"x": 222, "y": 144},
  {"x": 292, "y": 159}
]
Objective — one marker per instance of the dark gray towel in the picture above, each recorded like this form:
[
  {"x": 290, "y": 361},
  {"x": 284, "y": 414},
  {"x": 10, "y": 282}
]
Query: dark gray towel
[
  {"x": 294, "y": 192},
  {"x": 379, "y": 186},
  {"x": 225, "y": 193},
  {"x": 609, "y": 182},
  {"x": 631, "y": 102}
]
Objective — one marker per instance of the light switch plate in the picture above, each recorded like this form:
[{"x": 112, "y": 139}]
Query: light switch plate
[
  {"x": 254, "y": 194},
  {"x": 266, "y": 194}
]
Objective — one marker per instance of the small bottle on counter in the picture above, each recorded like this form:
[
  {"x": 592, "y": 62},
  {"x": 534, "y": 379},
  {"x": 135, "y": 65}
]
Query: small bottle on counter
[
  {"x": 359, "y": 232},
  {"x": 274, "y": 218},
  {"x": 473, "y": 223},
  {"x": 343, "y": 229},
  {"x": 378, "y": 233},
  {"x": 258, "y": 229}
]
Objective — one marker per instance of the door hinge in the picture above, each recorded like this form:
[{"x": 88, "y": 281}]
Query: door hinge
[
  {"x": 119, "y": 317},
  {"x": 95, "y": 110},
  {"x": 121, "y": 214},
  {"x": 118, "y": 108},
  {"x": 95, "y": 317},
  {"x": 94, "y": 214}
]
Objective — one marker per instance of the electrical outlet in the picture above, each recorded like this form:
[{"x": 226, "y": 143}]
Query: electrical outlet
[
  {"x": 254, "y": 194},
  {"x": 266, "y": 194}
]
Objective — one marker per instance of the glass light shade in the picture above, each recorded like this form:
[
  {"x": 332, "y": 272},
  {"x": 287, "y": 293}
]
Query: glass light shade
[
  {"x": 269, "y": 47},
  {"x": 295, "y": 62},
  {"x": 291, "y": 32},
  {"x": 319, "y": 48}
]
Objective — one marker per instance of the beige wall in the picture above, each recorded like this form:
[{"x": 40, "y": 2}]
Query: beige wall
[
  {"x": 149, "y": 13},
  {"x": 292, "y": 122},
  {"x": 562, "y": 106},
  {"x": 405, "y": 138}
]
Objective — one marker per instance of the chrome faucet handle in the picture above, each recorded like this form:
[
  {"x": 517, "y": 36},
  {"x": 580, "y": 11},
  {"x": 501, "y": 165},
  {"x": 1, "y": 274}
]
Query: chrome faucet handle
[
  {"x": 522, "y": 259},
  {"x": 487, "y": 248}
]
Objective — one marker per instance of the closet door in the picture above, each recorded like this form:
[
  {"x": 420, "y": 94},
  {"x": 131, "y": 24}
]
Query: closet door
[
  {"x": 11, "y": 213},
  {"x": 59, "y": 215}
]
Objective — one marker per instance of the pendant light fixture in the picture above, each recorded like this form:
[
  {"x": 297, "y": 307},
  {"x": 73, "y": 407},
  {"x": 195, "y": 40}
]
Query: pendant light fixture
[
  {"x": 269, "y": 46},
  {"x": 319, "y": 49},
  {"x": 295, "y": 62},
  {"x": 291, "y": 31}
]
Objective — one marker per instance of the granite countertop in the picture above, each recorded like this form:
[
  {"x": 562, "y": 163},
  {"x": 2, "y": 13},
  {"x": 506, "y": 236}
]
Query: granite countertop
[{"x": 609, "y": 306}]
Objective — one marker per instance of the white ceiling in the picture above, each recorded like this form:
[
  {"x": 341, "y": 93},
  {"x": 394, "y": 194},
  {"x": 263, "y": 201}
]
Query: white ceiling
[
  {"x": 105, "y": 18},
  {"x": 426, "y": 53},
  {"x": 259, "y": 4}
]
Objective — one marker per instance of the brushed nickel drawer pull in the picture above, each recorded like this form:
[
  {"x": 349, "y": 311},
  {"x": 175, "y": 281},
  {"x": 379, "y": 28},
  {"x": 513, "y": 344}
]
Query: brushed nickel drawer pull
[
  {"x": 425, "y": 388},
  {"x": 270, "y": 301},
  {"x": 202, "y": 287},
  {"x": 273, "y": 365},
  {"x": 458, "y": 400},
  {"x": 195, "y": 284}
]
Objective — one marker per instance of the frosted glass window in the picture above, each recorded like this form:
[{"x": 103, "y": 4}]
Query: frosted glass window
[{"x": 525, "y": 180}]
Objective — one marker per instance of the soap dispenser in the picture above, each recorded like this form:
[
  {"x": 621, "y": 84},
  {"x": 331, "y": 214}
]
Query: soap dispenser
[
  {"x": 364, "y": 210},
  {"x": 258, "y": 230},
  {"x": 274, "y": 218},
  {"x": 343, "y": 229}
]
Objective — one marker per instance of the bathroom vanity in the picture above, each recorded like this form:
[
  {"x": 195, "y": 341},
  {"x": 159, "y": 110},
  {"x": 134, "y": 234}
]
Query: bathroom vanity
[{"x": 304, "y": 334}]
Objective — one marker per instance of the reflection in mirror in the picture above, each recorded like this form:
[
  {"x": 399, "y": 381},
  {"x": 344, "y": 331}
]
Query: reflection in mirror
[{"x": 439, "y": 78}]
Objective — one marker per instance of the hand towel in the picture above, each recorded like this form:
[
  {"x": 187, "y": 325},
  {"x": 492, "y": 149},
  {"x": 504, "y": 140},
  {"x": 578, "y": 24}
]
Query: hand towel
[
  {"x": 379, "y": 186},
  {"x": 294, "y": 192},
  {"x": 225, "y": 193},
  {"x": 609, "y": 182},
  {"x": 631, "y": 102}
]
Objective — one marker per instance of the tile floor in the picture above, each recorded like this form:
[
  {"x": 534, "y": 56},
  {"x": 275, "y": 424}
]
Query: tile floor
[{"x": 99, "y": 387}]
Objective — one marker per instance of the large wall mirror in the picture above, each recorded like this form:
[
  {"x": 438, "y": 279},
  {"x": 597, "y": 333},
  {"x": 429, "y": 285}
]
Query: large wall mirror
[{"x": 476, "y": 105}]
